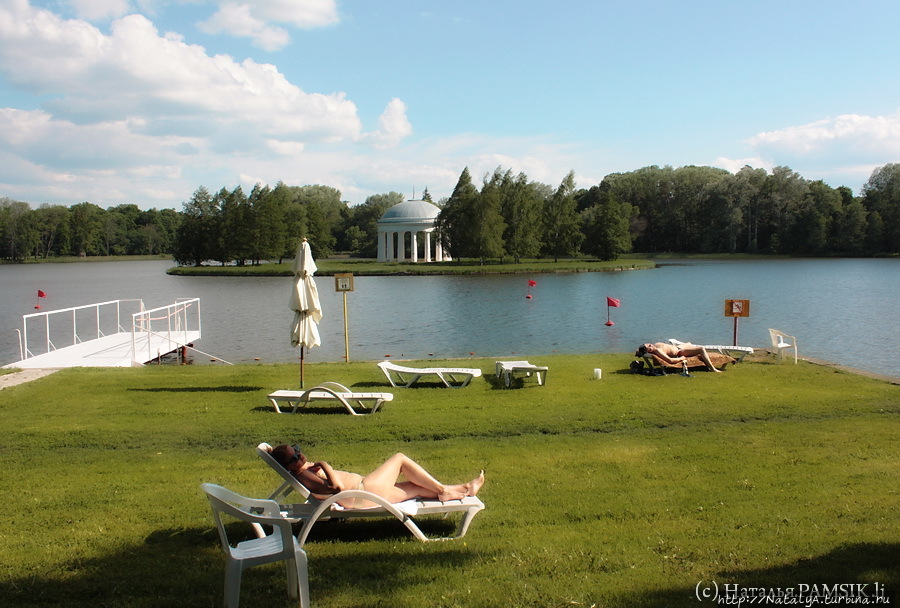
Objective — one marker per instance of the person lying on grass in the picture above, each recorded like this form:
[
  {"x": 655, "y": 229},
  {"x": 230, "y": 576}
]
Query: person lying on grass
[
  {"x": 323, "y": 481},
  {"x": 674, "y": 355}
]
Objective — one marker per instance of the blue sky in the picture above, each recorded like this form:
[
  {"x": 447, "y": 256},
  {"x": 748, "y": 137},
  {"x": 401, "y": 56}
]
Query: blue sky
[{"x": 143, "y": 101}]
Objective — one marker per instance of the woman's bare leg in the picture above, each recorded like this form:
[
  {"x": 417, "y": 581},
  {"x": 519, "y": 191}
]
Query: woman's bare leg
[
  {"x": 699, "y": 351},
  {"x": 705, "y": 357},
  {"x": 419, "y": 482}
]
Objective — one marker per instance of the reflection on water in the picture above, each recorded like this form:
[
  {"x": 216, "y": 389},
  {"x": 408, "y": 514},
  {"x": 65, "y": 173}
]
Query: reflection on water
[{"x": 840, "y": 310}]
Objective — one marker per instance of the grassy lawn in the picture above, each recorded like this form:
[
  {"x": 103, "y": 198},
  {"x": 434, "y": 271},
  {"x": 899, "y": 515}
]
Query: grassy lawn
[{"x": 625, "y": 491}]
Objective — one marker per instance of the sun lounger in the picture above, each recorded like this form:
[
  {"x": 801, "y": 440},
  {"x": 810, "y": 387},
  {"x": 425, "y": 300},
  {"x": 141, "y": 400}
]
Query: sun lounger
[
  {"x": 717, "y": 359},
  {"x": 452, "y": 377},
  {"x": 508, "y": 370},
  {"x": 738, "y": 352},
  {"x": 313, "y": 510},
  {"x": 330, "y": 391}
]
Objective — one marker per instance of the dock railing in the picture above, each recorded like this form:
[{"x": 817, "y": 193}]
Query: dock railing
[
  {"x": 106, "y": 315},
  {"x": 171, "y": 323}
]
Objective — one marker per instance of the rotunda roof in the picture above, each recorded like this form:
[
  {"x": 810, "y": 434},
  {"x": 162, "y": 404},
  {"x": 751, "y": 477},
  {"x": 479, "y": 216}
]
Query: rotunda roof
[{"x": 411, "y": 210}]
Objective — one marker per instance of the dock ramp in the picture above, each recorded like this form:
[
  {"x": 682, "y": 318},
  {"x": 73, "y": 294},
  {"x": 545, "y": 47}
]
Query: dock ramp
[{"x": 106, "y": 334}]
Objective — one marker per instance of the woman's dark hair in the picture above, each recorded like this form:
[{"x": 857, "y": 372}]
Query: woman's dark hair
[
  {"x": 279, "y": 453},
  {"x": 641, "y": 351}
]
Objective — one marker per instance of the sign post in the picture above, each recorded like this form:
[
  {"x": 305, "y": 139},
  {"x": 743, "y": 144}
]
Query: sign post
[
  {"x": 343, "y": 282},
  {"x": 737, "y": 309}
]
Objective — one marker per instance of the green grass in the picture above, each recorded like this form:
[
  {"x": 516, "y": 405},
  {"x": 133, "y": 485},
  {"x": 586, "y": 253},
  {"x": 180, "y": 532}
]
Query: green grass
[{"x": 626, "y": 491}]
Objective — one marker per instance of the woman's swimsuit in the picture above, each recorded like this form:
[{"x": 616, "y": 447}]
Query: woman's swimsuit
[{"x": 357, "y": 502}]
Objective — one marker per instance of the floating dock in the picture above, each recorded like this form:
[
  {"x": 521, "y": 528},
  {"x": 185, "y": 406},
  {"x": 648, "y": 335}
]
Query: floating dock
[{"x": 106, "y": 334}]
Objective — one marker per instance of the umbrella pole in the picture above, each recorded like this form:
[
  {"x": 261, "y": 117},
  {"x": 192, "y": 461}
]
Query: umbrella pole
[{"x": 301, "y": 366}]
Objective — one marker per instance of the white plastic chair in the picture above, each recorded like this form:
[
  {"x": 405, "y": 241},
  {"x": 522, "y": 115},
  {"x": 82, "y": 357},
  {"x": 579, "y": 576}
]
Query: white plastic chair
[
  {"x": 277, "y": 546},
  {"x": 782, "y": 342}
]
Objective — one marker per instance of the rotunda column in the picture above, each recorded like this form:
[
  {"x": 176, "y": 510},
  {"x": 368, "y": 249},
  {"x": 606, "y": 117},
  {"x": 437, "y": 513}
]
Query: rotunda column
[
  {"x": 427, "y": 246},
  {"x": 414, "y": 246}
]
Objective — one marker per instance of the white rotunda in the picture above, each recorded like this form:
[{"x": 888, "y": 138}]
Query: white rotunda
[{"x": 417, "y": 220}]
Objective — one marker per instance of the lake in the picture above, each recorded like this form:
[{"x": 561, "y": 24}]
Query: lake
[{"x": 840, "y": 310}]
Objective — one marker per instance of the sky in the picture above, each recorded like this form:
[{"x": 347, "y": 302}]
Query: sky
[{"x": 144, "y": 101}]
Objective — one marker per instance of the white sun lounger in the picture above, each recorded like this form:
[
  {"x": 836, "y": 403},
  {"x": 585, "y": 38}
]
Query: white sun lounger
[
  {"x": 508, "y": 370},
  {"x": 452, "y": 377},
  {"x": 330, "y": 391},
  {"x": 313, "y": 510},
  {"x": 736, "y": 352}
]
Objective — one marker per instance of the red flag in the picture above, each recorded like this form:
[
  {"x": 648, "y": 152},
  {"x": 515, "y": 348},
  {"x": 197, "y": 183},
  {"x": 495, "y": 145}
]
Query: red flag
[
  {"x": 612, "y": 302},
  {"x": 532, "y": 282},
  {"x": 41, "y": 294}
]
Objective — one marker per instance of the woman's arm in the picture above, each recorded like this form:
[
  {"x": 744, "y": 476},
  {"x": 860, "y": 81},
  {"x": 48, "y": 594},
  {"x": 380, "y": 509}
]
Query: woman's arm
[
  {"x": 319, "y": 478},
  {"x": 665, "y": 356},
  {"x": 332, "y": 479}
]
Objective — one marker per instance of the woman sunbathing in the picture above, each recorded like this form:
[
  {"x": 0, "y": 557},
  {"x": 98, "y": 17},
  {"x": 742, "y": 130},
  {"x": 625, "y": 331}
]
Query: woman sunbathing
[
  {"x": 323, "y": 481},
  {"x": 673, "y": 355}
]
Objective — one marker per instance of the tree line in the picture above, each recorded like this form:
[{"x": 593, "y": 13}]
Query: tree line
[
  {"x": 654, "y": 210},
  {"x": 84, "y": 229},
  {"x": 661, "y": 209}
]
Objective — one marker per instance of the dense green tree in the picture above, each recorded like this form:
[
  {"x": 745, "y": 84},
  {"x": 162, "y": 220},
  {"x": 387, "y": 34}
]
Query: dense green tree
[
  {"x": 881, "y": 196},
  {"x": 784, "y": 198},
  {"x": 236, "y": 226},
  {"x": 198, "y": 234},
  {"x": 53, "y": 226},
  {"x": 644, "y": 189},
  {"x": 156, "y": 231},
  {"x": 486, "y": 223},
  {"x": 87, "y": 228},
  {"x": 520, "y": 208},
  {"x": 19, "y": 235},
  {"x": 690, "y": 207},
  {"x": 562, "y": 224},
  {"x": 323, "y": 211},
  {"x": 362, "y": 222},
  {"x": 456, "y": 217},
  {"x": 605, "y": 223}
]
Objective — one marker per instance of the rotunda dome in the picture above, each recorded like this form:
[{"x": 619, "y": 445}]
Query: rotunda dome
[{"x": 411, "y": 211}]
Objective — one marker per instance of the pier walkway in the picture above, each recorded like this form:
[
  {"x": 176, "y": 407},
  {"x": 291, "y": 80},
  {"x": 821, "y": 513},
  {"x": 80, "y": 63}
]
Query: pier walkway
[{"x": 96, "y": 336}]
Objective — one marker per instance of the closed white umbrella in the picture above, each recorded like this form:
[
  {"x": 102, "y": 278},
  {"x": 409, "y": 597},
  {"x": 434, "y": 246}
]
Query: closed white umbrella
[{"x": 305, "y": 303}]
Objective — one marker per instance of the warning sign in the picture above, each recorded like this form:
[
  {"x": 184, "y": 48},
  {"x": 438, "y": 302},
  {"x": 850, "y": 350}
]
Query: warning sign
[{"x": 737, "y": 308}]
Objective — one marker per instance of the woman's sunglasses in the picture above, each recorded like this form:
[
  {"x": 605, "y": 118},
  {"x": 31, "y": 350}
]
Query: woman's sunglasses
[{"x": 297, "y": 455}]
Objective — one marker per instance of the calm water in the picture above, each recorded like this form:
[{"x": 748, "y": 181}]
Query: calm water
[{"x": 840, "y": 310}]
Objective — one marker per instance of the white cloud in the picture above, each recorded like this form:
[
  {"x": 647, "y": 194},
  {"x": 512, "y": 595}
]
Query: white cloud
[
  {"x": 862, "y": 135},
  {"x": 300, "y": 13},
  {"x": 253, "y": 20},
  {"x": 393, "y": 126},
  {"x": 93, "y": 10},
  {"x": 237, "y": 20},
  {"x": 133, "y": 113},
  {"x": 843, "y": 150},
  {"x": 736, "y": 164},
  {"x": 135, "y": 72}
]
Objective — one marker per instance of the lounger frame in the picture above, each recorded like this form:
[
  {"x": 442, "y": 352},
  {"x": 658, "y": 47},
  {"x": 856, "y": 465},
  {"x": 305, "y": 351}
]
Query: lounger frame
[
  {"x": 368, "y": 403},
  {"x": 405, "y": 377}
]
